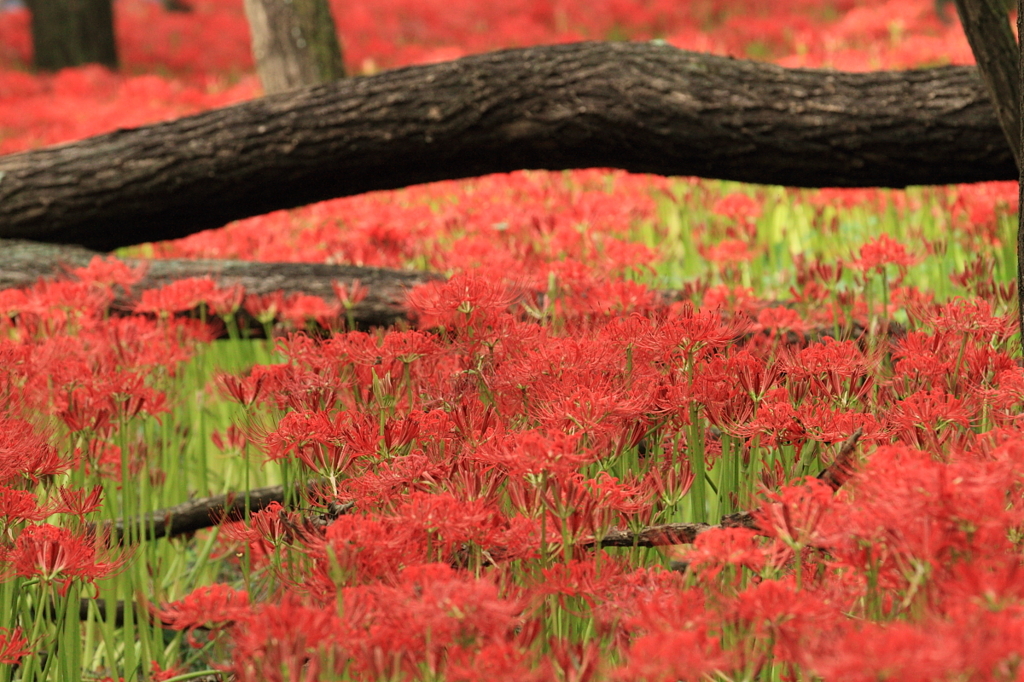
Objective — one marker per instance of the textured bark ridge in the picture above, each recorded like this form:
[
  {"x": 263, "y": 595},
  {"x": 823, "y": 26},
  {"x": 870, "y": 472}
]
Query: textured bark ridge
[
  {"x": 23, "y": 263},
  {"x": 995, "y": 51},
  {"x": 641, "y": 107}
]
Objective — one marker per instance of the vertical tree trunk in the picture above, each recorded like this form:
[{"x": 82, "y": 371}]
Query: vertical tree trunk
[
  {"x": 1020, "y": 178},
  {"x": 294, "y": 43},
  {"x": 177, "y": 6},
  {"x": 1001, "y": 64},
  {"x": 988, "y": 31},
  {"x": 72, "y": 32}
]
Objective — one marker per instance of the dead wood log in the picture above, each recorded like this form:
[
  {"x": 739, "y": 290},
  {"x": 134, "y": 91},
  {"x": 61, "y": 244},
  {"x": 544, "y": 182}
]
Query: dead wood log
[
  {"x": 641, "y": 107},
  {"x": 23, "y": 263}
]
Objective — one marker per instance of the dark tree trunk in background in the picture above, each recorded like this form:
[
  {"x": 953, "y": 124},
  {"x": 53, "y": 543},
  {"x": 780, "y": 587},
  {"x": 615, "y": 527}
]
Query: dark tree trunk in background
[
  {"x": 999, "y": 59},
  {"x": 177, "y": 6},
  {"x": 636, "y": 106},
  {"x": 995, "y": 50},
  {"x": 294, "y": 43},
  {"x": 71, "y": 33},
  {"x": 1020, "y": 177}
]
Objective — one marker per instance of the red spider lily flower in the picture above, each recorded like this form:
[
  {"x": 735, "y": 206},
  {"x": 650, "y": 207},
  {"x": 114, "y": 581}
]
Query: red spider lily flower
[
  {"x": 826, "y": 274},
  {"x": 177, "y": 297},
  {"x": 611, "y": 299},
  {"x": 363, "y": 549},
  {"x": 467, "y": 300},
  {"x": 246, "y": 391},
  {"x": 991, "y": 581},
  {"x": 104, "y": 400},
  {"x": 780, "y": 319},
  {"x": 576, "y": 661},
  {"x": 85, "y": 409},
  {"x": 475, "y": 483},
  {"x": 794, "y": 620},
  {"x": 330, "y": 445},
  {"x": 264, "y": 308},
  {"x": 740, "y": 300},
  {"x": 923, "y": 418},
  {"x": 13, "y": 646},
  {"x": 673, "y": 656},
  {"x": 210, "y": 606},
  {"x": 400, "y": 432},
  {"x": 452, "y": 523},
  {"x": 1006, "y": 395},
  {"x": 795, "y": 514},
  {"x": 971, "y": 317},
  {"x": 687, "y": 334},
  {"x": 977, "y": 646},
  {"x": 497, "y": 661},
  {"x": 753, "y": 374},
  {"x": 407, "y": 347},
  {"x": 233, "y": 439},
  {"x": 980, "y": 206},
  {"x": 579, "y": 507},
  {"x": 299, "y": 309},
  {"x": 110, "y": 271},
  {"x": 827, "y": 425},
  {"x": 18, "y": 506},
  {"x": 76, "y": 502},
  {"x": 715, "y": 549},
  {"x": 728, "y": 251},
  {"x": 56, "y": 555},
  {"x": 923, "y": 360},
  {"x": 532, "y": 452},
  {"x": 13, "y": 301},
  {"x": 836, "y": 370},
  {"x": 777, "y": 422},
  {"x": 727, "y": 405},
  {"x": 158, "y": 673},
  {"x": 26, "y": 454},
  {"x": 350, "y": 295},
  {"x": 670, "y": 480},
  {"x": 738, "y": 207},
  {"x": 289, "y": 642},
  {"x": 587, "y": 579},
  {"x": 910, "y": 511},
  {"x": 430, "y": 609},
  {"x": 471, "y": 420},
  {"x": 600, "y": 411},
  {"x": 877, "y": 253},
  {"x": 104, "y": 458},
  {"x": 270, "y": 529},
  {"x": 130, "y": 396},
  {"x": 225, "y": 301},
  {"x": 58, "y": 303}
]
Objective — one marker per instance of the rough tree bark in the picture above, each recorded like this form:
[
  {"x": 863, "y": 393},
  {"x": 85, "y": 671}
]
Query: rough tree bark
[
  {"x": 1020, "y": 177},
  {"x": 72, "y": 32},
  {"x": 294, "y": 43},
  {"x": 999, "y": 59},
  {"x": 995, "y": 50},
  {"x": 637, "y": 106},
  {"x": 24, "y": 263}
]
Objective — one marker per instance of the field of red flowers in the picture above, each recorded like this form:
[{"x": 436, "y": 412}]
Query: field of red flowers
[{"x": 648, "y": 428}]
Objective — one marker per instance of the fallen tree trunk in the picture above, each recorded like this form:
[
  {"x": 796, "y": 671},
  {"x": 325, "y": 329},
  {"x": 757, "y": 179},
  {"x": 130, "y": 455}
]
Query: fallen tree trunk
[
  {"x": 641, "y": 107},
  {"x": 24, "y": 263}
]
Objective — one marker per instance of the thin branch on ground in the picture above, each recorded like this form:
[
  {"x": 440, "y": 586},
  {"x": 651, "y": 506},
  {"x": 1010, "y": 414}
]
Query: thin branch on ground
[
  {"x": 205, "y": 512},
  {"x": 836, "y": 475}
]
